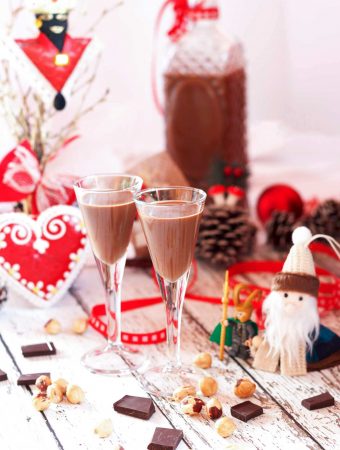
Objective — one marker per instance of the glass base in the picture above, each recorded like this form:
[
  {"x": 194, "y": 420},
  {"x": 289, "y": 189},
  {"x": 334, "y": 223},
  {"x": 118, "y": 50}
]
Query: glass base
[
  {"x": 161, "y": 381},
  {"x": 113, "y": 360}
]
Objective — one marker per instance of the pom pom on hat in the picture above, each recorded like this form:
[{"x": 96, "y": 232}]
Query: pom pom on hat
[{"x": 301, "y": 235}]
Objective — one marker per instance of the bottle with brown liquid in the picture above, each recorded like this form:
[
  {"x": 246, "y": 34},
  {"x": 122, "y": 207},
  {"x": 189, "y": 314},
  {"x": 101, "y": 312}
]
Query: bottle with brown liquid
[{"x": 205, "y": 105}]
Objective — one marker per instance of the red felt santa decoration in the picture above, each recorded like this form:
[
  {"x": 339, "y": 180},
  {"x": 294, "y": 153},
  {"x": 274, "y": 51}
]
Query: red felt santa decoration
[{"x": 53, "y": 56}]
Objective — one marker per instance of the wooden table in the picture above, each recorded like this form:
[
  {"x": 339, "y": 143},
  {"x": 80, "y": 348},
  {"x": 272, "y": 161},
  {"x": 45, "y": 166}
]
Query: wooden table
[{"x": 284, "y": 425}]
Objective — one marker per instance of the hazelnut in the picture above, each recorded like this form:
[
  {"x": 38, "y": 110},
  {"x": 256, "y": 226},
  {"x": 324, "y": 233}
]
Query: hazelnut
[
  {"x": 244, "y": 388},
  {"x": 80, "y": 325},
  {"x": 62, "y": 384},
  {"x": 55, "y": 393},
  {"x": 43, "y": 382},
  {"x": 192, "y": 405},
  {"x": 52, "y": 326},
  {"x": 214, "y": 408},
  {"x": 182, "y": 392},
  {"x": 208, "y": 386},
  {"x": 225, "y": 427},
  {"x": 203, "y": 360},
  {"x": 41, "y": 402},
  {"x": 104, "y": 428},
  {"x": 74, "y": 394}
]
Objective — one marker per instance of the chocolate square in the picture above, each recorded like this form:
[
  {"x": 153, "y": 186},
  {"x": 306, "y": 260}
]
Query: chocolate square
[
  {"x": 165, "y": 439},
  {"x": 43, "y": 349},
  {"x": 319, "y": 401},
  {"x": 140, "y": 407},
  {"x": 246, "y": 410},
  {"x": 30, "y": 378},
  {"x": 3, "y": 376}
]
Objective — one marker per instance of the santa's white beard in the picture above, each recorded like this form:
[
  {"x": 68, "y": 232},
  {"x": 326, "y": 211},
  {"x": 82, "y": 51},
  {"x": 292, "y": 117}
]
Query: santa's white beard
[{"x": 287, "y": 329}]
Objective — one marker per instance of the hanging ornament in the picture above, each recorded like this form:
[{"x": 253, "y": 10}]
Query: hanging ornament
[
  {"x": 279, "y": 197},
  {"x": 51, "y": 60},
  {"x": 294, "y": 341},
  {"x": 41, "y": 256}
]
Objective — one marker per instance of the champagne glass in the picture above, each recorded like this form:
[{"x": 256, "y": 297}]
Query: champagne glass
[
  {"x": 170, "y": 217},
  {"x": 108, "y": 209}
]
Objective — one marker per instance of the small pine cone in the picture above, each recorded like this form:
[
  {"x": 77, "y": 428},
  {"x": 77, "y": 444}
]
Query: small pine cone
[
  {"x": 226, "y": 234},
  {"x": 325, "y": 219},
  {"x": 279, "y": 230}
]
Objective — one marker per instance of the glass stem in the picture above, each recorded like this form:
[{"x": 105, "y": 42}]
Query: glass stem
[
  {"x": 112, "y": 276},
  {"x": 173, "y": 294}
]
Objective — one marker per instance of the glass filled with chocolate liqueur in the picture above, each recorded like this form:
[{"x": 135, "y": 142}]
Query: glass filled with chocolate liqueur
[
  {"x": 108, "y": 209},
  {"x": 170, "y": 218}
]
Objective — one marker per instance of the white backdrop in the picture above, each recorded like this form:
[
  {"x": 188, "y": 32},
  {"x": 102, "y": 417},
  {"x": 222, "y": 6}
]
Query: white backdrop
[{"x": 293, "y": 54}]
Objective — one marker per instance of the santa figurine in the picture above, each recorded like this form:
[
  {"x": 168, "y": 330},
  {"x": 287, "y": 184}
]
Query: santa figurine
[
  {"x": 53, "y": 53},
  {"x": 294, "y": 341}
]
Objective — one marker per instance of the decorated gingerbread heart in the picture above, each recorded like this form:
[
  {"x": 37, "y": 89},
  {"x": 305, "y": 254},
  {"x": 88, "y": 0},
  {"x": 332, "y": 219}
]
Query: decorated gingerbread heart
[{"x": 41, "y": 257}]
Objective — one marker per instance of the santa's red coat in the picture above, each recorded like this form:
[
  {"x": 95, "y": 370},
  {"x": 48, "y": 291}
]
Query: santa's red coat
[{"x": 42, "y": 52}]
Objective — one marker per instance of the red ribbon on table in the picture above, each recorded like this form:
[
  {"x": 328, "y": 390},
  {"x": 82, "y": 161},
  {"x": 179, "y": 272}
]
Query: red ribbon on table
[
  {"x": 328, "y": 299},
  {"x": 22, "y": 176}
]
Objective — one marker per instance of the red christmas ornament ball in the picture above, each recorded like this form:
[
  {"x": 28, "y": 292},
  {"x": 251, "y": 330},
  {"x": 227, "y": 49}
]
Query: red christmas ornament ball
[{"x": 279, "y": 197}]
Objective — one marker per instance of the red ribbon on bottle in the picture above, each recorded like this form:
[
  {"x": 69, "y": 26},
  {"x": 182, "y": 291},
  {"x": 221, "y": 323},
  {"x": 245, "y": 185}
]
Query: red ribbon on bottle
[
  {"x": 22, "y": 176},
  {"x": 328, "y": 299},
  {"x": 184, "y": 13}
]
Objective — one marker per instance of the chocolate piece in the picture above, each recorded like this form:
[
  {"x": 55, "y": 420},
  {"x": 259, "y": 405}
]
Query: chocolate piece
[
  {"x": 139, "y": 407},
  {"x": 246, "y": 410},
  {"x": 30, "y": 378},
  {"x": 319, "y": 401},
  {"x": 3, "y": 376},
  {"x": 43, "y": 349},
  {"x": 165, "y": 439}
]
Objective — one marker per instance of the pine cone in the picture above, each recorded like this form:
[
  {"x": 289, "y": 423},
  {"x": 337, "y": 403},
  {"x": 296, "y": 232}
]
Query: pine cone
[
  {"x": 279, "y": 230},
  {"x": 325, "y": 219},
  {"x": 226, "y": 234}
]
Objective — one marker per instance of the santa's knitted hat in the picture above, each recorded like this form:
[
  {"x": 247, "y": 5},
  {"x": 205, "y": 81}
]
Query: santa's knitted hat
[
  {"x": 298, "y": 272},
  {"x": 50, "y": 6}
]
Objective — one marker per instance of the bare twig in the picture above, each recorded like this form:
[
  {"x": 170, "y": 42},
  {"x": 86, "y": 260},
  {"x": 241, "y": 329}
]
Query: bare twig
[
  {"x": 14, "y": 12},
  {"x": 87, "y": 83},
  {"x": 69, "y": 129},
  {"x": 104, "y": 13}
]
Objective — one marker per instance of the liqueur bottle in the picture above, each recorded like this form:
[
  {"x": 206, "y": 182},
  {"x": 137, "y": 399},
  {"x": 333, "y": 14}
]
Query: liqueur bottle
[{"x": 205, "y": 98}]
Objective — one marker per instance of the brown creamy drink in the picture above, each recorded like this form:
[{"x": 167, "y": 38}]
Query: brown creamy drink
[
  {"x": 109, "y": 224},
  {"x": 205, "y": 120},
  {"x": 171, "y": 234}
]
